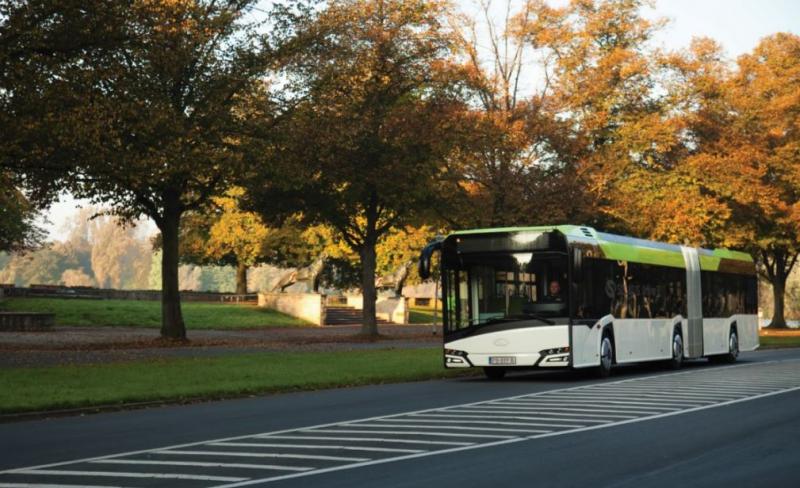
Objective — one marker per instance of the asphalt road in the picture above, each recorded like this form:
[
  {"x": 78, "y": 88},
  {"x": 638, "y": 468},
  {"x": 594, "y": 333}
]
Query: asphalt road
[{"x": 703, "y": 426}]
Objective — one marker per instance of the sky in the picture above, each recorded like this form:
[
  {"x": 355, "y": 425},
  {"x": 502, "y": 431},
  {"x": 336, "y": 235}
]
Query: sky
[{"x": 736, "y": 24}]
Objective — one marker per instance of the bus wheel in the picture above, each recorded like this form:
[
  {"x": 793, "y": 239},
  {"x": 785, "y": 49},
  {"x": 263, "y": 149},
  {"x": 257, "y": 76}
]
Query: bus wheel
[
  {"x": 494, "y": 373},
  {"x": 733, "y": 348},
  {"x": 606, "y": 356},
  {"x": 677, "y": 351}
]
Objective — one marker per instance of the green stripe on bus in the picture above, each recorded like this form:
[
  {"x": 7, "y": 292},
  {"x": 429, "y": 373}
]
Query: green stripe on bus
[
  {"x": 628, "y": 252},
  {"x": 644, "y": 255}
]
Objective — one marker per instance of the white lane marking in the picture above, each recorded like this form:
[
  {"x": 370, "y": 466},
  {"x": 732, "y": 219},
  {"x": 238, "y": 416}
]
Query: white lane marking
[
  {"x": 51, "y": 485},
  {"x": 693, "y": 397},
  {"x": 671, "y": 393},
  {"x": 521, "y": 403},
  {"x": 555, "y": 402},
  {"x": 261, "y": 455},
  {"x": 640, "y": 401},
  {"x": 407, "y": 432},
  {"x": 528, "y": 410},
  {"x": 722, "y": 383},
  {"x": 670, "y": 414},
  {"x": 510, "y": 417},
  {"x": 314, "y": 446},
  {"x": 614, "y": 400},
  {"x": 631, "y": 394},
  {"x": 381, "y": 461},
  {"x": 562, "y": 406},
  {"x": 364, "y": 439},
  {"x": 761, "y": 379},
  {"x": 698, "y": 388},
  {"x": 507, "y": 441},
  {"x": 663, "y": 390},
  {"x": 120, "y": 474},
  {"x": 204, "y": 464},
  {"x": 383, "y": 425},
  {"x": 477, "y": 422}
]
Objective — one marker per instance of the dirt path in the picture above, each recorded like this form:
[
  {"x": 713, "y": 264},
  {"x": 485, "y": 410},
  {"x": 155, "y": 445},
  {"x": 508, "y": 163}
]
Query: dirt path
[{"x": 87, "y": 345}]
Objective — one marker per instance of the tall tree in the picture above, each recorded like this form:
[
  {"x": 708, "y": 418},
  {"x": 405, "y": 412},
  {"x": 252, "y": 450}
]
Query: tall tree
[
  {"x": 507, "y": 161},
  {"x": 18, "y": 229},
  {"x": 224, "y": 234},
  {"x": 143, "y": 111},
  {"x": 733, "y": 179},
  {"x": 401, "y": 247},
  {"x": 604, "y": 92},
  {"x": 765, "y": 148},
  {"x": 668, "y": 201},
  {"x": 119, "y": 258},
  {"x": 365, "y": 147},
  {"x": 749, "y": 161},
  {"x": 45, "y": 265}
]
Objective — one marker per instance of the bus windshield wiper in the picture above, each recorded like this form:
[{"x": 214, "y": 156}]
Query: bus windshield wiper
[{"x": 538, "y": 317}]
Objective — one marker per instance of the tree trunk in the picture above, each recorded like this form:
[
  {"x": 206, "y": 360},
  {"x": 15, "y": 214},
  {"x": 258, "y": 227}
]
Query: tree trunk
[
  {"x": 172, "y": 325},
  {"x": 369, "y": 326},
  {"x": 778, "y": 294},
  {"x": 778, "y": 263},
  {"x": 241, "y": 279}
]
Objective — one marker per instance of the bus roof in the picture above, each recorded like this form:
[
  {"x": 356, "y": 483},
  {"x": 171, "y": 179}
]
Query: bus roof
[{"x": 623, "y": 248}]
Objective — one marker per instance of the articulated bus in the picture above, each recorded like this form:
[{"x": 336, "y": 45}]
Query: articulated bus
[{"x": 568, "y": 296}]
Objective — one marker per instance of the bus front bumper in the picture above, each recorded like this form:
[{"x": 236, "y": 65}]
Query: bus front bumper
[
  {"x": 529, "y": 347},
  {"x": 560, "y": 359}
]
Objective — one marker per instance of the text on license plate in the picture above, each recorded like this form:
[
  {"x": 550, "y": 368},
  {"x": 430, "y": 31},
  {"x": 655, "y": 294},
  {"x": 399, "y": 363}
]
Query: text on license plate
[{"x": 502, "y": 360}]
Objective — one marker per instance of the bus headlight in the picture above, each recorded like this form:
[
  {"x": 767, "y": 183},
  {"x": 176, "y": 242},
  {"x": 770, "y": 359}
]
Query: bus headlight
[{"x": 557, "y": 350}]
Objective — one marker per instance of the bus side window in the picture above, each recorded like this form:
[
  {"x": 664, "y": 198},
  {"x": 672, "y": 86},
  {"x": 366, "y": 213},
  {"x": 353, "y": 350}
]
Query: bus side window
[
  {"x": 751, "y": 294},
  {"x": 596, "y": 290}
]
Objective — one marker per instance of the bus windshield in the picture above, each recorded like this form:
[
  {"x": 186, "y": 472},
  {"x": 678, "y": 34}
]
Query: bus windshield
[{"x": 491, "y": 288}]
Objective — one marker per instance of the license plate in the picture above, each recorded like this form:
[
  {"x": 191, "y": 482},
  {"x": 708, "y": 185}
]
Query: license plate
[{"x": 505, "y": 360}]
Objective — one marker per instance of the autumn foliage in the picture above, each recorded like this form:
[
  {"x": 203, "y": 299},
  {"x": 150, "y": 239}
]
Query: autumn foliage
[{"x": 363, "y": 128}]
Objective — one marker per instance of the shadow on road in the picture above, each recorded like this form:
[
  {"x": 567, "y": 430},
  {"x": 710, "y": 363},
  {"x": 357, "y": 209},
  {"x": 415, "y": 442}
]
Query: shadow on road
[{"x": 619, "y": 372}]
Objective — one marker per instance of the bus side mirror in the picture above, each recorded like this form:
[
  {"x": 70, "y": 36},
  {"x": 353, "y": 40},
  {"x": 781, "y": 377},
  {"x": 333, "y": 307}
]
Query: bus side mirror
[
  {"x": 577, "y": 265},
  {"x": 424, "y": 268}
]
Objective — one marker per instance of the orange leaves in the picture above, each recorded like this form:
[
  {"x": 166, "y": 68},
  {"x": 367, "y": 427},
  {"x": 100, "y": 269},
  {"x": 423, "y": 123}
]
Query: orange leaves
[{"x": 224, "y": 233}]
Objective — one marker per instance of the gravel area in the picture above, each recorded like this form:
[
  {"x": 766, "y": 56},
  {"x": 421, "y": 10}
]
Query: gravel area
[{"x": 91, "y": 345}]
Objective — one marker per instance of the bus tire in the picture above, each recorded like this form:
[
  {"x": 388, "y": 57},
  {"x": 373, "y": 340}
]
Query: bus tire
[
  {"x": 494, "y": 373},
  {"x": 733, "y": 348},
  {"x": 606, "y": 356},
  {"x": 677, "y": 350}
]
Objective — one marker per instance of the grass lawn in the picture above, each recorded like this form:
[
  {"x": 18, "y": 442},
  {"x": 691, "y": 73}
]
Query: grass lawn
[
  {"x": 147, "y": 313},
  {"x": 419, "y": 315},
  {"x": 48, "y": 388},
  {"x": 777, "y": 341}
]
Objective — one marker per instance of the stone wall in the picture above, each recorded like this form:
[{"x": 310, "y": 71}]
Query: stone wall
[
  {"x": 54, "y": 291},
  {"x": 307, "y": 306},
  {"x": 26, "y": 321},
  {"x": 392, "y": 309},
  {"x": 422, "y": 294}
]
